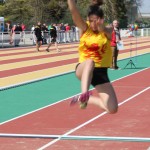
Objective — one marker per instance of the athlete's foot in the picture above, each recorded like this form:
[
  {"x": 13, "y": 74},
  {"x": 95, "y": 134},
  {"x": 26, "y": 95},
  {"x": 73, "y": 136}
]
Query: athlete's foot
[
  {"x": 83, "y": 105},
  {"x": 83, "y": 99},
  {"x": 47, "y": 50},
  {"x": 74, "y": 100}
]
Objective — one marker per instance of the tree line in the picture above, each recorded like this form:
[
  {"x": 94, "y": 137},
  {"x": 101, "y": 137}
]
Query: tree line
[{"x": 56, "y": 11}]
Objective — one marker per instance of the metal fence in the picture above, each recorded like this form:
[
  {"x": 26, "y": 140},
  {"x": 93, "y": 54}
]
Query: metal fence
[
  {"x": 139, "y": 32},
  {"x": 27, "y": 38}
]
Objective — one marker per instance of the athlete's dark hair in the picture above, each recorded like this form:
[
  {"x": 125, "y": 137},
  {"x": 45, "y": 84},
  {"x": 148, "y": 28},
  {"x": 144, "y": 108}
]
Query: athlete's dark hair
[{"x": 95, "y": 9}]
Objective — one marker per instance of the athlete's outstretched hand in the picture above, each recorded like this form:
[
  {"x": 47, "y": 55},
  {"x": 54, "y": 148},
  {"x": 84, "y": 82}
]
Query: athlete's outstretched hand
[{"x": 99, "y": 2}]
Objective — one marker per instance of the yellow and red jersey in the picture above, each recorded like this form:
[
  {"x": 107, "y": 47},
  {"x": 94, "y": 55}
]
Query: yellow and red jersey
[{"x": 95, "y": 46}]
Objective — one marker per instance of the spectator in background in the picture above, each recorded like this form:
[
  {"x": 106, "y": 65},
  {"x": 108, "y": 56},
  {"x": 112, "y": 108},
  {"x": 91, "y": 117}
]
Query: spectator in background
[
  {"x": 77, "y": 33},
  {"x": 13, "y": 28},
  {"x": 73, "y": 29},
  {"x": 53, "y": 34},
  {"x": 44, "y": 27},
  {"x": 49, "y": 27},
  {"x": 116, "y": 38},
  {"x": 58, "y": 27},
  {"x": 67, "y": 27},
  {"x": 38, "y": 34},
  {"x": 23, "y": 27},
  {"x": 32, "y": 28},
  {"x": 62, "y": 27},
  {"x": 59, "y": 33},
  {"x": 67, "y": 33},
  {"x": 62, "y": 33},
  {"x": 8, "y": 26},
  {"x": 18, "y": 34},
  {"x": 32, "y": 34},
  {"x": 45, "y": 33},
  {"x": 12, "y": 34}
]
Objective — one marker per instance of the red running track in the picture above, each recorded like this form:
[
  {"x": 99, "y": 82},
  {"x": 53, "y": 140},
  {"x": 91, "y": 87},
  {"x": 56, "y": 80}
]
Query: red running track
[{"x": 131, "y": 120}]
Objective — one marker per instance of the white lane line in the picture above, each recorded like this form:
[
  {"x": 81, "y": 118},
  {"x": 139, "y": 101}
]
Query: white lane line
[{"x": 89, "y": 121}]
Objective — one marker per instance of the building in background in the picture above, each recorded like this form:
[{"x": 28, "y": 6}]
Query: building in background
[
  {"x": 144, "y": 10},
  {"x": 144, "y": 15},
  {"x": 139, "y": 12}
]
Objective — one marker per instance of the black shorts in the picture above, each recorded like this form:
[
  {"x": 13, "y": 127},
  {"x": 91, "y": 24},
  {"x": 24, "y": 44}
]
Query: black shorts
[
  {"x": 100, "y": 76},
  {"x": 39, "y": 39},
  {"x": 53, "y": 39}
]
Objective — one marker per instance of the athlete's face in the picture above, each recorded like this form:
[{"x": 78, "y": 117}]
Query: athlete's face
[{"x": 95, "y": 22}]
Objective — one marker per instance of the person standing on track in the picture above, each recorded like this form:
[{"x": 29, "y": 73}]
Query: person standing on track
[
  {"x": 116, "y": 38},
  {"x": 38, "y": 34},
  {"x": 18, "y": 34},
  {"x": 53, "y": 34},
  {"x": 95, "y": 58}
]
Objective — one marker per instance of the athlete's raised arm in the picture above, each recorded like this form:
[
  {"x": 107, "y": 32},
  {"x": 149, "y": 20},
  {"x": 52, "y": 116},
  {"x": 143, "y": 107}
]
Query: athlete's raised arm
[{"x": 78, "y": 21}]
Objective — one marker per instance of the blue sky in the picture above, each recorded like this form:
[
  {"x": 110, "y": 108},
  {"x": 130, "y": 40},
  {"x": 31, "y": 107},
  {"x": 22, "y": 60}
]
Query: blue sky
[{"x": 145, "y": 6}]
